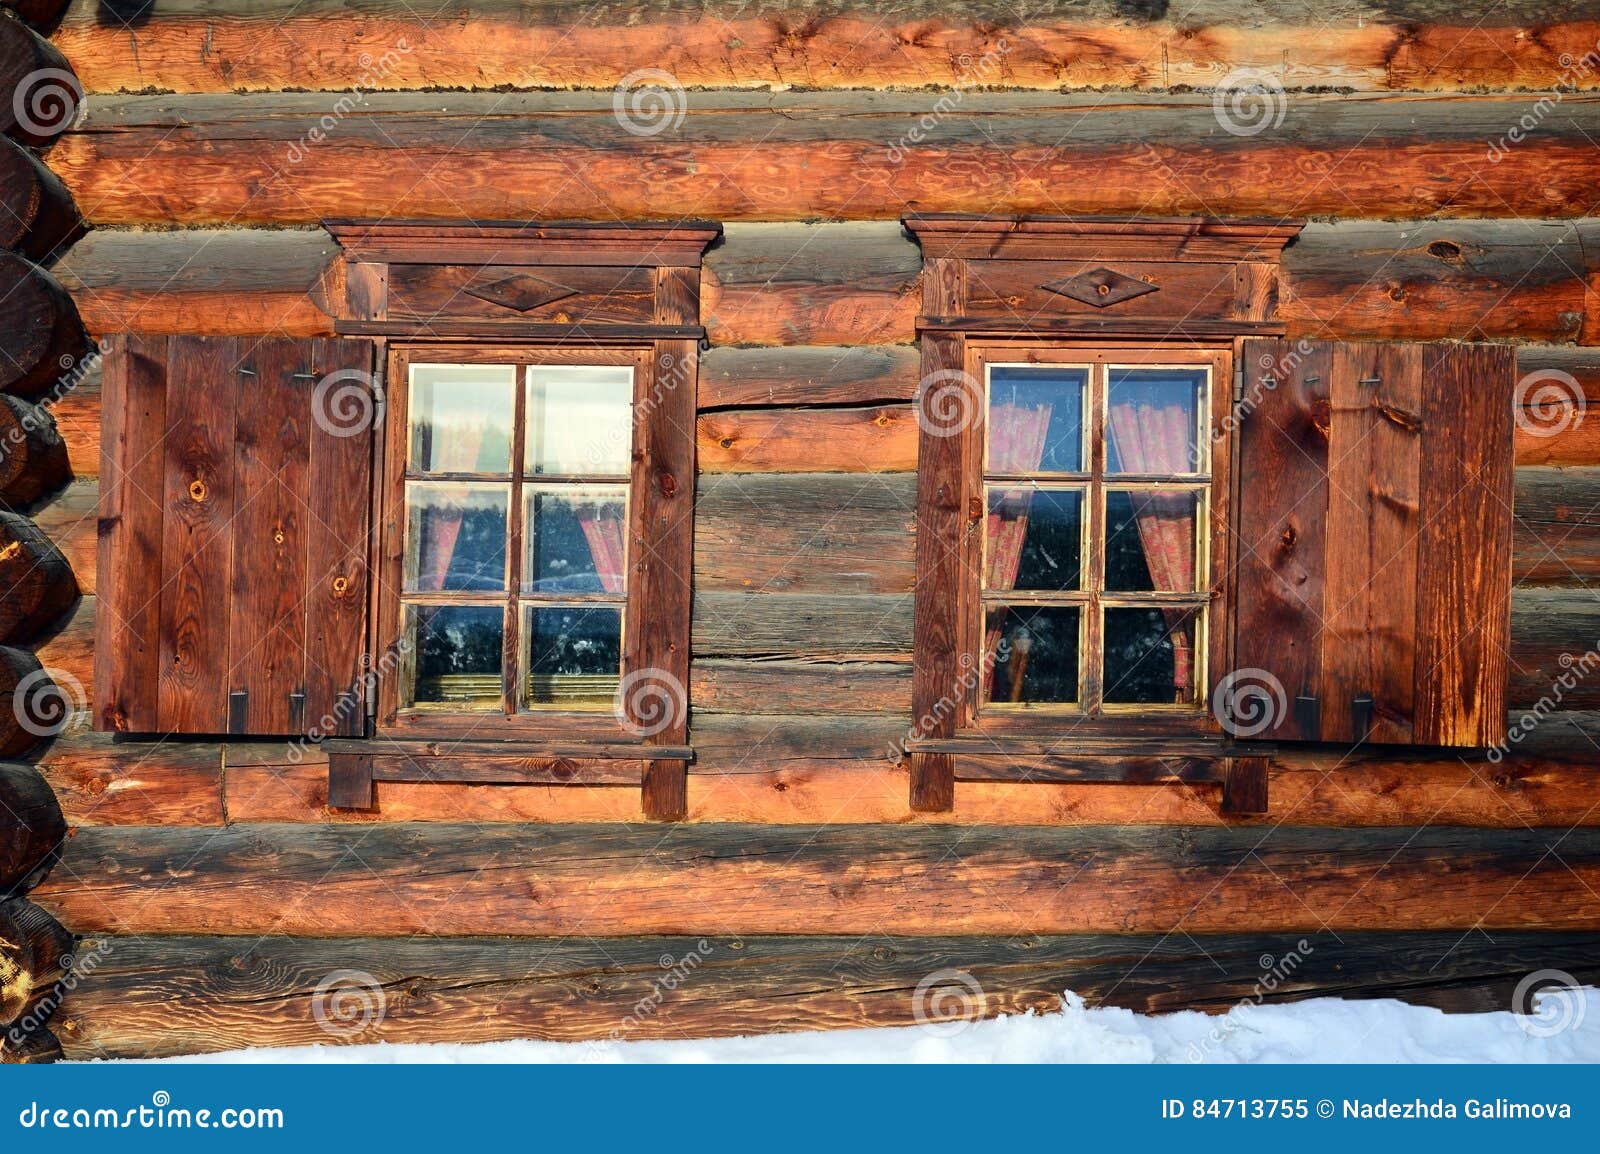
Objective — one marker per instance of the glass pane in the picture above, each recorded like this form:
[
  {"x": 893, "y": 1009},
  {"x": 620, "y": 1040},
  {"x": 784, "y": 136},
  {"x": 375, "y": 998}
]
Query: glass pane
[
  {"x": 1150, "y": 540},
  {"x": 461, "y": 418},
  {"x": 577, "y": 538},
  {"x": 1035, "y": 539},
  {"x": 455, "y": 536},
  {"x": 1152, "y": 420},
  {"x": 580, "y": 420},
  {"x": 1150, "y": 656},
  {"x": 1031, "y": 653},
  {"x": 573, "y": 655},
  {"x": 456, "y": 653},
  {"x": 1036, "y": 419}
]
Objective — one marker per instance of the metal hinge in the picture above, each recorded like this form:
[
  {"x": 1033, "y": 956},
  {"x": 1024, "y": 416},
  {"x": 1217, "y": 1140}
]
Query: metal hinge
[{"x": 1238, "y": 385}]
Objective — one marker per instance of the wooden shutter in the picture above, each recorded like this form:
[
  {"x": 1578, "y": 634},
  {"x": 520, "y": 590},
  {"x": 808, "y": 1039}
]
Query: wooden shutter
[
  {"x": 1373, "y": 542},
  {"x": 236, "y": 481}
]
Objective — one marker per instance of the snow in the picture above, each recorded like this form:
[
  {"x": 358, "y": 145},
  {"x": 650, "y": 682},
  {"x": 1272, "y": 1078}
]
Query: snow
[{"x": 1565, "y": 1028}]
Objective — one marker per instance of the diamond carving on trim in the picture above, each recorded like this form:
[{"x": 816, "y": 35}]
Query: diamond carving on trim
[
  {"x": 521, "y": 291},
  {"x": 1100, "y": 287}
]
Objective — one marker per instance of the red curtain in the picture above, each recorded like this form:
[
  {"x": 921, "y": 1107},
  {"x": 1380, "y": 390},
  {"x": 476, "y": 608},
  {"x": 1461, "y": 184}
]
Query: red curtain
[
  {"x": 454, "y": 450},
  {"x": 1017, "y": 436},
  {"x": 603, "y": 529},
  {"x": 1155, "y": 438}
]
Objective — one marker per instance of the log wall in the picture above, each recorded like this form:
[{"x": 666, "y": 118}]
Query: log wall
[{"x": 217, "y": 134}]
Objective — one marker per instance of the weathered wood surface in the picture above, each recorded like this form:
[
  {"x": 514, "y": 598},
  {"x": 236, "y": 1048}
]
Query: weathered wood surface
[
  {"x": 722, "y": 685},
  {"x": 101, "y": 782},
  {"x": 35, "y": 952},
  {"x": 807, "y": 375},
  {"x": 43, "y": 95},
  {"x": 875, "y": 440},
  {"x": 41, "y": 14},
  {"x": 39, "y": 1048},
  {"x": 857, "y": 284},
  {"x": 32, "y": 830},
  {"x": 604, "y": 879},
  {"x": 32, "y": 699},
  {"x": 40, "y": 217},
  {"x": 41, "y": 336},
  {"x": 33, "y": 457},
  {"x": 164, "y": 997},
  {"x": 250, "y": 159},
  {"x": 228, "y": 45},
  {"x": 1559, "y": 394},
  {"x": 1555, "y": 651},
  {"x": 1556, "y": 538},
  {"x": 800, "y": 624},
  {"x": 36, "y": 582}
]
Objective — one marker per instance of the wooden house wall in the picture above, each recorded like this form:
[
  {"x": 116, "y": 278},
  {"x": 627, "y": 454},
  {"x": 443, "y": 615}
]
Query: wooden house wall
[{"x": 194, "y": 165}]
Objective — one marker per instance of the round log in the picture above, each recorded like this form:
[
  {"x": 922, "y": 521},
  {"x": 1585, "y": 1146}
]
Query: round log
[
  {"x": 41, "y": 337},
  {"x": 36, "y": 582},
  {"x": 32, "y": 828},
  {"x": 43, "y": 93},
  {"x": 41, "y": 14},
  {"x": 33, "y": 706},
  {"x": 35, "y": 955},
  {"x": 40, "y": 218},
  {"x": 37, "y": 1049},
  {"x": 33, "y": 457}
]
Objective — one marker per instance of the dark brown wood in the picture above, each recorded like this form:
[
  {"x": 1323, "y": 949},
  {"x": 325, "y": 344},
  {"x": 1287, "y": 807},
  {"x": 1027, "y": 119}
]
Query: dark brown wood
[
  {"x": 548, "y": 294},
  {"x": 45, "y": 93},
  {"x": 1556, "y": 658},
  {"x": 607, "y": 879},
  {"x": 350, "y": 781},
  {"x": 802, "y": 625},
  {"x": 1556, "y": 534},
  {"x": 37, "y": 705},
  {"x": 848, "y": 440},
  {"x": 35, "y": 952},
  {"x": 752, "y": 685},
  {"x": 1068, "y": 766},
  {"x": 32, "y": 826},
  {"x": 1244, "y": 785},
  {"x": 42, "y": 14},
  {"x": 33, "y": 457},
  {"x": 36, "y": 583},
  {"x": 447, "y": 241},
  {"x": 41, "y": 337},
  {"x": 127, "y": 659},
  {"x": 36, "y": 1049},
  {"x": 1464, "y": 551},
  {"x": 851, "y": 375},
  {"x": 40, "y": 218}
]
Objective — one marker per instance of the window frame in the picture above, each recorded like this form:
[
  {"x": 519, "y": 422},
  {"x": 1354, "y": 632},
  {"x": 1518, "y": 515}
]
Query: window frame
[{"x": 513, "y": 720}]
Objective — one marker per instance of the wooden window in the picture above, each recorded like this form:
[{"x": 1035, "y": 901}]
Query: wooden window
[{"x": 1153, "y": 535}]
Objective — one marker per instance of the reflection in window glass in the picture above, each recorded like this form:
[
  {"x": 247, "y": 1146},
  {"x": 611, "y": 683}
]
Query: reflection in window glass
[
  {"x": 576, "y": 539},
  {"x": 573, "y": 655},
  {"x": 1150, "y": 656},
  {"x": 1150, "y": 540},
  {"x": 1035, "y": 419},
  {"x": 1152, "y": 420},
  {"x": 455, "y": 536},
  {"x": 1031, "y": 653},
  {"x": 456, "y": 655},
  {"x": 579, "y": 420},
  {"x": 1035, "y": 539},
  {"x": 461, "y": 418}
]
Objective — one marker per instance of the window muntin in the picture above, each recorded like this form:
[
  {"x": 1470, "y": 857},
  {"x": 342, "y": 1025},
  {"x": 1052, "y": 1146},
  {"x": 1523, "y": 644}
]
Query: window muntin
[
  {"x": 1097, "y": 493},
  {"x": 514, "y": 582}
]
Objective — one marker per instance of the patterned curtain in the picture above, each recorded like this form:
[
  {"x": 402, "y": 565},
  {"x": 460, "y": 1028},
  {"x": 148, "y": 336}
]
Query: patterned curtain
[
  {"x": 1154, "y": 438},
  {"x": 1017, "y": 437}
]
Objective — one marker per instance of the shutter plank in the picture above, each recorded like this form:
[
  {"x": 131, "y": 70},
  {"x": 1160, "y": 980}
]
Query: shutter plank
[
  {"x": 1369, "y": 630},
  {"x": 1464, "y": 595},
  {"x": 128, "y": 566},
  {"x": 340, "y": 508},
  {"x": 196, "y": 537},
  {"x": 1282, "y": 519},
  {"x": 267, "y": 639}
]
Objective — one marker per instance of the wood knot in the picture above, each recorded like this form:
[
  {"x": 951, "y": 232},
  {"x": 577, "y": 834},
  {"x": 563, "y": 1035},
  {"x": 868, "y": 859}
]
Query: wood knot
[
  {"x": 726, "y": 442},
  {"x": 1445, "y": 250},
  {"x": 277, "y": 536},
  {"x": 197, "y": 490},
  {"x": 340, "y": 584}
]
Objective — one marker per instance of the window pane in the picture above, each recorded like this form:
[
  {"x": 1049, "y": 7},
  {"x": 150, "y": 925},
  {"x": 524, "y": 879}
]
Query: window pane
[
  {"x": 1035, "y": 539},
  {"x": 576, "y": 537},
  {"x": 1150, "y": 656},
  {"x": 456, "y": 655},
  {"x": 580, "y": 419},
  {"x": 573, "y": 655},
  {"x": 461, "y": 418},
  {"x": 1036, "y": 419},
  {"x": 455, "y": 536},
  {"x": 1150, "y": 540},
  {"x": 1033, "y": 651},
  {"x": 1152, "y": 420}
]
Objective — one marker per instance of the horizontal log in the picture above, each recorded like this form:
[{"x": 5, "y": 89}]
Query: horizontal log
[
  {"x": 35, "y": 954},
  {"x": 1556, "y": 534},
  {"x": 197, "y": 46},
  {"x": 805, "y": 375},
  {"x": 805, "y": 533},
  {"x": 68, "y": 649},
  {"x": 43, "y": 94},
  {"x": 604, "y": 880},
  {"x": 171, "y": 996},
  {"x": 40, "y": 218},
  {"x": 98, "y": 781},
  {"x": 1559, "y": 390},
  {"x": 41, "y": 337},
  {"x": 875, "y": 440},
  {"x": 36, "y": 582},
  {"x": 32, "y": 830},
  {"x": 734, "y": 155},
  {"x": 1555, "y": 650},
  {"x": 800, "y": 624},
  {"x": 721, "y": 685},
  {"x": 33, "y": 457},
  {"x": 69, "y": 519}
]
